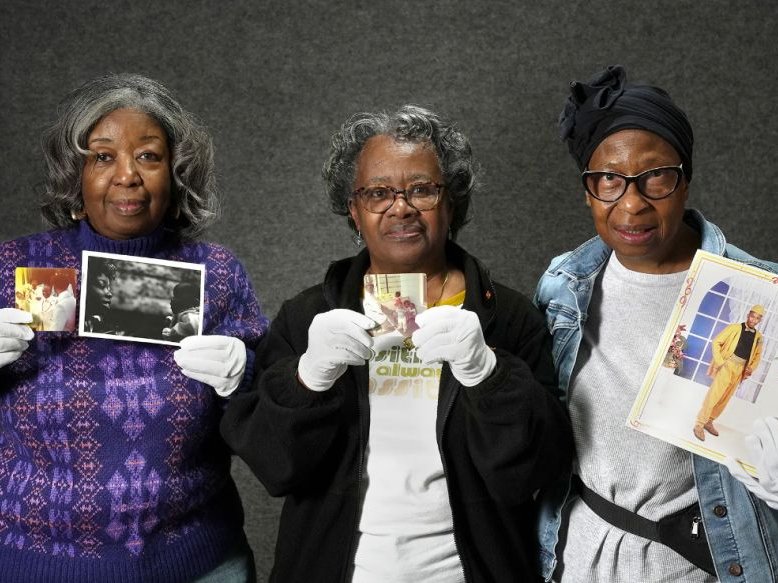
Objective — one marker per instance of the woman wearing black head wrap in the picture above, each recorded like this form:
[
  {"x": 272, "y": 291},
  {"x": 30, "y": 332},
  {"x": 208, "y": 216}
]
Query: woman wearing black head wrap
[{"x": 606, "y": 304}]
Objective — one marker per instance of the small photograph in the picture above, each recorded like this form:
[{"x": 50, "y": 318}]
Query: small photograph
[
  {"x": 49, "y": 295},
  {"x": 715, "y": 370},
  {"x": 393, "y": 300},
  {"x": 140, "y": 299}
]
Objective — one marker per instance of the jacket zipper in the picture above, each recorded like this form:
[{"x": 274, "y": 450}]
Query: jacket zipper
[
  {"x": 449, "y": 379},
  {"x": 352, "y": 554},
  {"x": 449, "y": 406}
]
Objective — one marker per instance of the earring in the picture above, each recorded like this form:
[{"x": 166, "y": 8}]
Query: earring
[
  {"x": 358, "y": 240},
  {"x": 77, "y": 215}
]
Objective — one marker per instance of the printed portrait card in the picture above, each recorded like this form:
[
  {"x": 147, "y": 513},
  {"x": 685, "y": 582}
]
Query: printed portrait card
[
  {"x": 49, "y": 295},
  {"x": 140, "y": 299},
  {"x": 393, "y": 301},
  {"x": 715, "y": 370}
]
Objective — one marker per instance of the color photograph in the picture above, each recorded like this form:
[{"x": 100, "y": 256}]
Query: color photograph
[
  {"x": 716, "y": 369},
  {"x": 49, "y": 295},
  {"x": 393, "y": 301}
]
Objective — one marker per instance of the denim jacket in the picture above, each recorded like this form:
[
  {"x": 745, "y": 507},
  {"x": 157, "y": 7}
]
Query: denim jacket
[{"x": 742, "y": 530}]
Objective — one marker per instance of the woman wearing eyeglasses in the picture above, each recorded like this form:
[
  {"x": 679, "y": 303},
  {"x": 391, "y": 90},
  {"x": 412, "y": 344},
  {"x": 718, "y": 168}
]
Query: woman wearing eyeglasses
[
  {"x": 638, "y": 508},
  {"x": 428, "y": 476}
]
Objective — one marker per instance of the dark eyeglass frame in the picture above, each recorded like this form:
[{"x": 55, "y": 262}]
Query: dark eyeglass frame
[
  {"x": 357, "y": 194},
  {"x": 636, "y": 179}
]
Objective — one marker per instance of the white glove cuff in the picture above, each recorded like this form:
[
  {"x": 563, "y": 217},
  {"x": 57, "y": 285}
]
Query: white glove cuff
[
  {"x": 489, "y": 362},
  {"x": 309, "y": 378}
]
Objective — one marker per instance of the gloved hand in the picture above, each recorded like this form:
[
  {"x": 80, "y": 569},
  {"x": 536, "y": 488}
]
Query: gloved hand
[
  {"x": 219, "y": 361},
  {"x": 452, "y": 334},
  {"x": 336, "y": 339},
  {"x": 14, "y": 335},
  {"x": 763, "y": 445}
]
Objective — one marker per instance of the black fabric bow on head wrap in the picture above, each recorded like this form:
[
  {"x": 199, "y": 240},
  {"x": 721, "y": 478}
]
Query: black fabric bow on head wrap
[{"x": 607, "y": 104}]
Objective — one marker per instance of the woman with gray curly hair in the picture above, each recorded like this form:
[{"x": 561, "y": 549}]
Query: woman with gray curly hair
[
  {"x": 117, "y": 472},
  {"x": 410, "y": 123},
  {"x": 403, "y": 457},
  {"x": 192, "y": 203}
]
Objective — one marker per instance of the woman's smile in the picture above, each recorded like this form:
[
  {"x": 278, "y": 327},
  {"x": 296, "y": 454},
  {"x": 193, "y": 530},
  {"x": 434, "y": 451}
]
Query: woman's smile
[{"x": 128, "y": 207}]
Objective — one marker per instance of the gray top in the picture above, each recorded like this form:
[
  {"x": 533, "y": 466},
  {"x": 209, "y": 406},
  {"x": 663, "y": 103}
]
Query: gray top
[{"x": 628, "y": 313}]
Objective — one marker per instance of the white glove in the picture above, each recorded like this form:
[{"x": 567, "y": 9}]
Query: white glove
[
  {"x": 454, "y": 335},
  {"x": 14, "y": 335},
  {"x": 219, "y": 361},
  {"x": 336, "y": 339},
  {"x": 763, "y": 445}
]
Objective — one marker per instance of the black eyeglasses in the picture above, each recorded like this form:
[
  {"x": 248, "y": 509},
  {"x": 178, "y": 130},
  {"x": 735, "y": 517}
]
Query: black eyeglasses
[
  {"x": 422, "y": 196},
  {"x": 654, "y": 184}
]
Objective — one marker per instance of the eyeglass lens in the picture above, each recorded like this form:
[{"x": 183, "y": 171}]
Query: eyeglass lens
[
  {"x": 378, "y": 199},
  {"x": 655, "y": 183}
]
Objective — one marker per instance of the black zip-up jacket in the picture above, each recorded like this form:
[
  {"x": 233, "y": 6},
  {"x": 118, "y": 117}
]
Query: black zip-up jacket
[{"x": 500, "y": 440}]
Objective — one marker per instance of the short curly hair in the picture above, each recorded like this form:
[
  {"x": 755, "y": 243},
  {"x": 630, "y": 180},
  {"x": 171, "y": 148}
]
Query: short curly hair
[
  {"x": 409, "y": 123},
  {"x": 100, "y": 266},
  {"x": 65, "y": 149}
]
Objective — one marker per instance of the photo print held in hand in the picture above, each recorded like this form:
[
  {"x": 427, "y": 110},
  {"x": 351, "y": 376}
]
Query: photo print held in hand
[{"x": 140, "y": 299}]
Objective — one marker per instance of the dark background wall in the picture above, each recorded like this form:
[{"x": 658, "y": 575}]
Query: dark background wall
[{"x": 273, "y": 80}]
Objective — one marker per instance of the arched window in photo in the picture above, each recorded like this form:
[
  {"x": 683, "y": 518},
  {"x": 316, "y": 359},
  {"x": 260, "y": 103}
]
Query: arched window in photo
[{"x": 724, "y": 304}]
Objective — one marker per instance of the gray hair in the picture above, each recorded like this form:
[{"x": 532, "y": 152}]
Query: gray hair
[
  {"x": 193, "y": 186},
  {"x": 409, "y": 123}
]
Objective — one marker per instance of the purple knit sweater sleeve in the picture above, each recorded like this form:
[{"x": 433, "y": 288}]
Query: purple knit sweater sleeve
[{"x": 111, "y": 463}]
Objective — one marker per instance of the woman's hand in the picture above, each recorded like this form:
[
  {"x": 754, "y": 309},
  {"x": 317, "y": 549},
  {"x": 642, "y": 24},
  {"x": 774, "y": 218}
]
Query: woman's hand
[
  {"x": 336, "y": 339},
  {"x": 14, "y": 334},
  {"x": 215, "y": 360},
  {"x": 763, "y": 445},
  {"x": 454, "y": 335}
]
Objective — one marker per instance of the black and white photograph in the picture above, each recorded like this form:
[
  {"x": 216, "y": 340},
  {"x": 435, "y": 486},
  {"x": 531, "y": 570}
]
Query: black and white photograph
[
  {"x": 140, "y": 299},
  {"x": 716, "y": 369}
]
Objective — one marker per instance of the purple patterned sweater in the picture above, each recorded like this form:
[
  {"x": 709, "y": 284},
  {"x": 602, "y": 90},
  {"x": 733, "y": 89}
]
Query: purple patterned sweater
[{"x": 111, "y": 463}]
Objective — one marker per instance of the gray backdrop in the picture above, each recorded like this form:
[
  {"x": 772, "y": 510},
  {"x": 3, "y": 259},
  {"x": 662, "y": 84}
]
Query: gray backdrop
[{"x": 273, "y": 80}]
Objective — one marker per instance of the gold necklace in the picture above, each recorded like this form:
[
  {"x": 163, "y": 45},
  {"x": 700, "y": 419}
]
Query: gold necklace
[{"x": 440, "y": 295}]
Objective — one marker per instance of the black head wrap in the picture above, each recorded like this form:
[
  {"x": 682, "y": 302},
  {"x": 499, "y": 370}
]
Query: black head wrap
[{"x": 607, "y": 104}]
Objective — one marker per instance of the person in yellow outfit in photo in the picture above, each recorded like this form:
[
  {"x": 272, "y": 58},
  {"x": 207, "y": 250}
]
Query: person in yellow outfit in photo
[{"x": 737, "y": 350}]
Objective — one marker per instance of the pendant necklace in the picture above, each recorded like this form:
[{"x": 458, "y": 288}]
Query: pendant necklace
[{"x": 442, "y": 288}]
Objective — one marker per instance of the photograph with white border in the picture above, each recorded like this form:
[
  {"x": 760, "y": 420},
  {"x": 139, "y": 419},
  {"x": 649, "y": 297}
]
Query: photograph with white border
[
  {"x": 392, "y": 301},
  {"x": 140, "y": 299},
  {"x": 48, "y": 293},
  {"x": 715, "y": 370}
]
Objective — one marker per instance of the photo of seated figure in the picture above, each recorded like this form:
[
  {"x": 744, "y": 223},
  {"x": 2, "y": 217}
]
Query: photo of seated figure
[{"x": 185, "y": 320}]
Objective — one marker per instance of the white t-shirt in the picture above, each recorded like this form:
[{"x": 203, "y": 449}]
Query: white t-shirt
[{"x": 406, "y": 530}]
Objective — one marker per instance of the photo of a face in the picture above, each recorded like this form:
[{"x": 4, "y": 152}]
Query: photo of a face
[
  {"x": 140, "y": 299},
  {"x": 102, "y": 291}
]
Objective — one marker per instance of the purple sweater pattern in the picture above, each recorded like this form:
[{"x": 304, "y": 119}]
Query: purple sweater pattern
[{"x": 111, "y": 464}]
